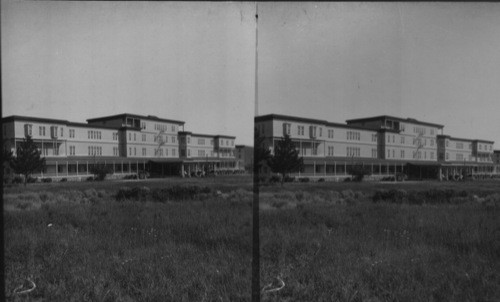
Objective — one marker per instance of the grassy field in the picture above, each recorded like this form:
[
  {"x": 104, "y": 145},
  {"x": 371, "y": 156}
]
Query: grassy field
[{"x": 325, "y": 241}]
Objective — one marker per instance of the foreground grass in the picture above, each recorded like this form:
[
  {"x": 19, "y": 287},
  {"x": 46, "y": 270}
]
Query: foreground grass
[
  {"x": 357, "y": 250},
  {"x": 103, "y": 250},
  {"x": 326, "y": 241}
]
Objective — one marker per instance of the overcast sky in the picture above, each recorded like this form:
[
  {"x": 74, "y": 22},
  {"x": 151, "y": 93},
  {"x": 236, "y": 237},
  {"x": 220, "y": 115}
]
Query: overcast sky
[
  {"x": 186, "y": 61},
  {"x": 436, "y": 62}
]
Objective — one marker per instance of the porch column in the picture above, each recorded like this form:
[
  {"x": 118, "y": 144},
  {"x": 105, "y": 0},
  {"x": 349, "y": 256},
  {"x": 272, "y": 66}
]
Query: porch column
[
  {"x": 76, "y": 168},
  {"x": 314, "y": 168},
  {"x": 334, "y": 168},
  {"x": 325, "y": 168},
  {"x": 87, "y": 167},
  {"x": 56, "y": 168},
  {"x": 345, "y": 168},
  {"x": 182, "y": 169},
  {"x": 380, "y": 169},
  {"x": 67, "y": 168}
]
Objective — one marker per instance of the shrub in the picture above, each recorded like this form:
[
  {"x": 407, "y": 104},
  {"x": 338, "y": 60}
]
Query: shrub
[
  {"x": 400, "y": 176},
  {"x": 359, "y": 172},
  {"x": 45, "y": 196},
  {"x": 17, "y": 180},
  {"x": 32, "y": 179},
  {"x": 275, "y": 179},
  {"x": 289, "y": 178},
  {"x": 90, "y": 178},
  {"x": 100, "y": 171},
  {"x": 64, "y": 179},
  {"x": 132, "y": 194},
  {"x": 347, "y": 194},
  {"x": 304, "y": 179},
  {"x": 90, "y": 193},
  {"x": 174, "y": 193},
  {"x": 321, "y": 180},
  {"x": 47, "y": 180}
]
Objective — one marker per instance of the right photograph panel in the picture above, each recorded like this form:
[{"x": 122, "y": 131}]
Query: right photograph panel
[{"x": 376, "y": 165}]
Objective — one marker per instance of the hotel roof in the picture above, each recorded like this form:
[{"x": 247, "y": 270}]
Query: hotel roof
[
  {"x": 125, "y": 115},
  {"x": 454, "y": 138},
  {"x": 269, "y": 117},
  {"x": 52, "y": 121},
  {"x": 384, "y": 117},
  {"x": 33, "y": 119}
]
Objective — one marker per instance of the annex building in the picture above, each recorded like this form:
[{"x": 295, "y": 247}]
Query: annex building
[
  {"x": 385, "y": 145},
  {"x": 126, "y": 143}
]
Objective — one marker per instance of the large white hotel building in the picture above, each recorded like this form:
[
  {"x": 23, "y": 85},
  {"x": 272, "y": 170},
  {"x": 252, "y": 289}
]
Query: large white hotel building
[
  {"x": 384, "y": 144},
  {"x": 127, "y": 143}
]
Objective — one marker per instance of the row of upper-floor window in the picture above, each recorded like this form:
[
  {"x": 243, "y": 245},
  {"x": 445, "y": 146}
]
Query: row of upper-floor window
[
  {"x": 416, "y": 154},
  {"x": 423, "y": 130},
  {"x": 416, "y": 141},
  {"x": 287, "y": 130},
  {"x": 132, "y": 151},
  {"x": 458, "y": 156},
  {"x": 160, "y": 127},
  {"x": 350, "y": 135},
  {"x": 315, "y": 131},
  {"x": 460, "y": 145},
  {"x": 55, "y": 132},
  {"x": 352, "y": 152},
  {"x": 392, "y": 153},
  {"x": 95, "y": 150},
  {"x": 94, "y": 134}
]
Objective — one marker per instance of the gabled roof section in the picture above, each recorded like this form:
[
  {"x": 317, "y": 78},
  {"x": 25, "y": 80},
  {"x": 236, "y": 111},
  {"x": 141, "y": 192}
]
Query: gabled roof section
[
  {"x": 125, "y": 115},
  {"x": 399, "y": 119}
]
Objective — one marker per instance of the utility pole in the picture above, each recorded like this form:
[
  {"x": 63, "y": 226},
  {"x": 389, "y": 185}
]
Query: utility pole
[{"x": 255, "y": 205}]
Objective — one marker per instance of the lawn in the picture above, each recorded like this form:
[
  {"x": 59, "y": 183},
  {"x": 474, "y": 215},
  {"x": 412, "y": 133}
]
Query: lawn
[{"x": 325, "y": 241}]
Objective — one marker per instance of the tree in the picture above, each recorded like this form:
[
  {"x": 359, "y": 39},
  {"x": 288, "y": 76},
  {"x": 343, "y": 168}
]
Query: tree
[
  {"x": 6, "y": 160},
  {"x": 27, "y": 159},
  {"x": 261, "y": 153},
  {"x": 285, "y": 159}
]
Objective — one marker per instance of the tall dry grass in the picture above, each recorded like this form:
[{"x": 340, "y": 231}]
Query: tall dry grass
[{"x": 85, "y": 246}]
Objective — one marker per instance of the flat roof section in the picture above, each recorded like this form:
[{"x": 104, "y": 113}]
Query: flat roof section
[
  {"x": 455, "y": 138},
  {"x": 399, "y": 119},
  {"x": 33, "y": 119},
  {"x": 124, "y": 115},
  {"x": 270, "y": 117}
]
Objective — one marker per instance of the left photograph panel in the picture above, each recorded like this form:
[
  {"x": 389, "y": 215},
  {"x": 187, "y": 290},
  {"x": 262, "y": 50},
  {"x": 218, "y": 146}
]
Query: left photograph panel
[{"x": 127, "y": 134}]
